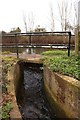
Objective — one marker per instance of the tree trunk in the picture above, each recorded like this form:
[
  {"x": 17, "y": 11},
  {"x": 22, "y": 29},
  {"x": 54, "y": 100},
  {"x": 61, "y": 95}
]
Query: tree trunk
[{"x": 77, "y": 42}]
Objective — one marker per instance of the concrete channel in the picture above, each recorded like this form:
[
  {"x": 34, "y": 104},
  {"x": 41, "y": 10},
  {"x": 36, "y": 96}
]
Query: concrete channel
[{"x": 62, "y": 93}]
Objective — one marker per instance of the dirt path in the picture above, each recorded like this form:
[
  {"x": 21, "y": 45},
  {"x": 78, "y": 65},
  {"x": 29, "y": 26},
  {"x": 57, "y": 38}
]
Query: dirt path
[{"x": 29, "y": 57}]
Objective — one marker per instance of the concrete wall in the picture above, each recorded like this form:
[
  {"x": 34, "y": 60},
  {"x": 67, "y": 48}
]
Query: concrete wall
[
  {"x": 64, "y": 91},
  {"x": 18, "y": 76},
  {"x": 13, "y": 85}
]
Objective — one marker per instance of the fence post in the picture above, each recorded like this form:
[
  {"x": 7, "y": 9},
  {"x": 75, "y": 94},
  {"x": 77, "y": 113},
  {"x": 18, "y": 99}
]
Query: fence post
[
  {"x": 69, "y": 43},
  {"x": 16, "y": 41},
  {"x": 29, "y": 44}
]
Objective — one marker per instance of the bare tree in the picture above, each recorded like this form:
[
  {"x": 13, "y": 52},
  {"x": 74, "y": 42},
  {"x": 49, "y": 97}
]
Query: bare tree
[
  {"x": 31, "y": 20},
  {"x": 65, "y": 12},
  {"x": 75, "y": 15},
  {"x": 28, "y": 21},
  {"x": 61, "y": 15},
  {"x": 24, "y": 20},
  {"x": 52, "y": 18}
]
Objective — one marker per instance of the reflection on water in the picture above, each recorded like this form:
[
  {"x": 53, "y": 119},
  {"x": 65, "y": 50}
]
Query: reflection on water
[
  {"x": 32, "y": 101},
  {"x": 26, "y": 50},
  {"x": 13, "y": 49}
]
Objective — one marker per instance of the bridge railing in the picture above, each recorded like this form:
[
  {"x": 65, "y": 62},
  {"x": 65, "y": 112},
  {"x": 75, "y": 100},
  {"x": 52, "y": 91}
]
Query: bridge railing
[{"x": 30, "y": 34}]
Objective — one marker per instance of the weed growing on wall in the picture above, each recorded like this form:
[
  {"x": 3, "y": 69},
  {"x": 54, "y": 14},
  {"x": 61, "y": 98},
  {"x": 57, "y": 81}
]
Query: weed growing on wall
[
  {"x": 7, "y": 62},
  {"x": 6, "y": 108}
]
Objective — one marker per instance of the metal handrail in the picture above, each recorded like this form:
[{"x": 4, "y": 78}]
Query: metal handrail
[{"x": 38, "y": 34}]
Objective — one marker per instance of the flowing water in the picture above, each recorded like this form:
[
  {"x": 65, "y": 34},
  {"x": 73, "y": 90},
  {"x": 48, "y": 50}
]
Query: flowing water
[{"x": 32, "y": 100}]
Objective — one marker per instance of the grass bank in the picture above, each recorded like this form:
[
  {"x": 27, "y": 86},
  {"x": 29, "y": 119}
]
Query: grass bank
[
  {"x": 7, "y": 62},
  {"x": 58, "y": 61}
]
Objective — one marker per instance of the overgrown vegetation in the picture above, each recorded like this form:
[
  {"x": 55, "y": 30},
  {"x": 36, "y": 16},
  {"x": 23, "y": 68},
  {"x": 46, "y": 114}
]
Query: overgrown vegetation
[
  {"x": 58, "y": 61},
  {"x": 7, "y": 62},
  {"x": 6, "y": 109}
]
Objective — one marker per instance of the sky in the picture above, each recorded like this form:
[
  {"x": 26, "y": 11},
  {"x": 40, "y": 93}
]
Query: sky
[{"x": 12, "y": 11}]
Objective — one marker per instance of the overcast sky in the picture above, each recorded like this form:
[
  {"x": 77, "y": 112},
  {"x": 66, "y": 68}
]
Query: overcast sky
[{"x": 11, "y": 13}]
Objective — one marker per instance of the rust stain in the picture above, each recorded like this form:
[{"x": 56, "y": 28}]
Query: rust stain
[
  {"x": 61, "y": 89},
  {"x": 50, "y": 79}
]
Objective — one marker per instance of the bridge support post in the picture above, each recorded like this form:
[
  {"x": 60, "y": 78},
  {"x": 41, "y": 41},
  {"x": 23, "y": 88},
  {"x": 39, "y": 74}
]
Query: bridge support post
[
  {"x": 29, "y": 48},
  {"x": 16, "y": 41},
  {"x": 69, "y": 43}
]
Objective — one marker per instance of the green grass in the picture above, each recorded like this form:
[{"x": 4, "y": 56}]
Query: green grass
[
  {"x": 6, "y": 108},
  {"x": 6, "y": 52},
  {"x": 57, "y": 52},
  {"x": 58, "y": 61}
]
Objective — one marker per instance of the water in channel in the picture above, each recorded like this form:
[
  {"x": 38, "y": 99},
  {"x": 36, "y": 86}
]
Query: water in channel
[{"x": 32, "y": 100}]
